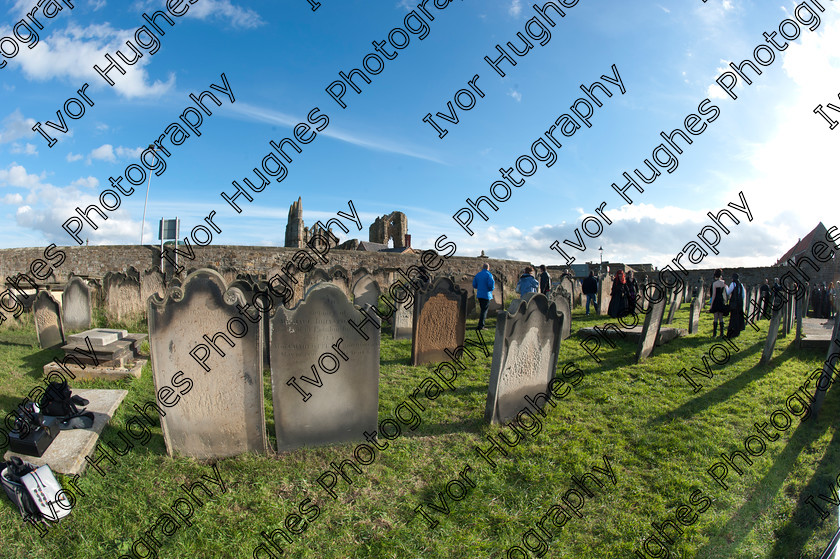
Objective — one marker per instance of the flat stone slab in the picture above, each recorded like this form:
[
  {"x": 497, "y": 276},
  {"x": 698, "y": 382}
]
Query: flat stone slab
[
  {"x": 67, "y": 452},
  {"x": 816, "y": 333},
  {"x": 99, "y": 337},
  {"x": 90, "y": 372},
  {"x": 634, "y": 334}
]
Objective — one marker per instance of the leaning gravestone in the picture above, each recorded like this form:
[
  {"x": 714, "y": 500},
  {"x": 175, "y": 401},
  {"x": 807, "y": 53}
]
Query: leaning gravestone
[
  {"x": 324, "y": 374},
  {"x": 525, "y": 356},
  {"x": 653, "y": 322},
  {"x": 772, "y": 334},
  {"x": 121, "y": 293},
  {"x": 439, "y": 322},
  {"x": 76, "y": 304},
  {"x": 828, "y": 368},
  {"x": 676, "y": 301},
  {"x": 694, "y": 320},
  {"x": 221, "y": 413},
  {"x": 48, "y": 323}
]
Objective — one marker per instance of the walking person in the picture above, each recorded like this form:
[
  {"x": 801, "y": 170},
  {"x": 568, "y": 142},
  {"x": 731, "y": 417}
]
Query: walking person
[
  {"x": 633, "y": 288},
  {"x": 619, "y": 296},
  {"x": 590, "y": 288},
  {"x": 484, "y": 284},
  {"x": 545, "y": 280},
  {"x": 737, "y": 294},
  {"x": 717, "y": 302},
  {"x": 527, "y": 282}
]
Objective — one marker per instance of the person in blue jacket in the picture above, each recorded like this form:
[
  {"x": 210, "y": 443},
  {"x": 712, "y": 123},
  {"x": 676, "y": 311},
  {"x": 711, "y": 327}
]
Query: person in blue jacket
[
  {"x": 527, "y": 282},
  {"x": 484, "y": 284}
]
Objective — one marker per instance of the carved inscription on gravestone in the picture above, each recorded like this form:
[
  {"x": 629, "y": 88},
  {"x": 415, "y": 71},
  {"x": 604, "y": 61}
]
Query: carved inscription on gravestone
[
  {"x": 48, "y": 323},
  {"x": 324, "y": 374},
  {"x": 439, "y": 322},
  {"x": 221, "y": 413},
  {"x": 525, "y": 355},
  {"x": 121, "y": 294}
]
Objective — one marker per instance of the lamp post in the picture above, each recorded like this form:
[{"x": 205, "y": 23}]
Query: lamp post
[
  {"x": 601, "y": 267},
  {"x": 148, "y": 185}
]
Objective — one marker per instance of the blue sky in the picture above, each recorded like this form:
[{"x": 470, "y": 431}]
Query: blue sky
[{"x": 279, "y": 57}]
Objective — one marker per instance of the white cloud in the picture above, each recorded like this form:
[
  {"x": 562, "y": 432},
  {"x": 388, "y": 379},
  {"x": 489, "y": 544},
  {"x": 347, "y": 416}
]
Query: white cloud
[
  {"x": 516, "y": 95},
  {"x": 69, "y": 54},
  {"x": 86, "y": 182},
  {"x": 15, "y": 127},
  {"x": 98, "y": 4},
  {"x": 128, "y": 153},
  {"x": 13, "y": 199},
  {"x": 515, "y": 8},
  {"x": 224, "y": 10},
  {"x": 15, "y": 175},
  {"x": 260, "y": 114},
  {"x": 71, "y": 157},
  {"x": 104, "y": 153},
  {"x": 28, "y": 149}
]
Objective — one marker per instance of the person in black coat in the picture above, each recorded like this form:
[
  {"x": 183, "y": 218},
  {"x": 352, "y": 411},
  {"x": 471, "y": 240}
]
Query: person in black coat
[
  {"x": 590, "y": 289},
  {"x": 620, "y": 297},
  {"x": 737, "y": 323},
  {"x": 764, "y": 299},
  {"x": 545, "y": 280},
  {"x": 718, "y": 301},
  {"x": 633, "y": 288}
]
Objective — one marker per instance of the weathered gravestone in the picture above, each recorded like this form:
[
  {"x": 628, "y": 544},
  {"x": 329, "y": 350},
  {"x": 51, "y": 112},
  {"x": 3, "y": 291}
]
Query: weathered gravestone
[
  {"x": 525, "y": 356},
  {"x": 366, "y": 292},
  {"x": 694, "y": 320},
  {"x": 151, "y": 281},
  {"x": 772, "y": 334},
  {"x": 48, "y": 323},
  {"x": 472, "y": 302},
  {"x": 324, "y": 374},
  {"x": 76, "y": 304},
  {"x": 439, "y": 321},
  {"x": 201, "y": 345},
  {"x": 604, "y": 289},
  {"x": 564, "y": 309},
  {"x": 497, "y": 303},
  {"x": 121, "y": 294},
  {"x": 676, "y": 301},
  {"x": 403, "y": 321},
  {"x": 653, "y": 321},
  {"x": 829, "y": 367}
]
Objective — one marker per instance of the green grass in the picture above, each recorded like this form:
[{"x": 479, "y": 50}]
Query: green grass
[{"x": 660, "y": 438}]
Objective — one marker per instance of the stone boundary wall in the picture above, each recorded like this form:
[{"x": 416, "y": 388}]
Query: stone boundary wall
[{"x": 96, "y": 261}]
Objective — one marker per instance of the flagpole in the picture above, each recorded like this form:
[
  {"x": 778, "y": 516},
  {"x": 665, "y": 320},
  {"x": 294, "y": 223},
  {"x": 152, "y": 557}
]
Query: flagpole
[{"x": 148, "y": 185}]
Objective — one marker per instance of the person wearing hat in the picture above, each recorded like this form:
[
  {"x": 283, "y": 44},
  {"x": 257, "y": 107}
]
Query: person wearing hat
[{"x": 737, "y": 295}]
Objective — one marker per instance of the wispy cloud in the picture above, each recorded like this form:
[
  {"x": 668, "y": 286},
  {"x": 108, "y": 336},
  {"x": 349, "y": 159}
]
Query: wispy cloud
[{"x": 269, "y": 116}]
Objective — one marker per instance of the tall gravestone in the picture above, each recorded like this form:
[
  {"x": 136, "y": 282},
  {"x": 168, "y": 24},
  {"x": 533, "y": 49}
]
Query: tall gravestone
[
  {"x": 121, "y": 293},
  {"x": 676, "y": 301},
  {"x": 366, "y": 292},
  {"x": 497, "y": 303},
  {"x": 76, "y": 304},
  {"x": 197, "y": 327},
  {"x": 472, "y": 306},
  {"x": 604, "y": 289},
  {"x": 772, "y": 334},
  {"x": 324, "y": 374},
  {"x": 694, "y": 320},
  {"x": 525, "y": 356},
  {"x": 439, "y": 322},
  {"x": 653, "y": 322},
  {"x": 48, "y": 323},
  {"x": 829, "y": 367}
]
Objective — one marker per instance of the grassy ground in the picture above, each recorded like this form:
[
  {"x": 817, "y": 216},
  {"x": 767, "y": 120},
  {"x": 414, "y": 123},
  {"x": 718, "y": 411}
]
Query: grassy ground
[{"x": 658, "y": 435}]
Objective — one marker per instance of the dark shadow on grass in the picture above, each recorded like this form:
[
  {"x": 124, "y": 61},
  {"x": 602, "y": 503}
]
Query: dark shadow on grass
[
  {"x": 718, "y": 394},
  {"x": 740, "y": 523}
]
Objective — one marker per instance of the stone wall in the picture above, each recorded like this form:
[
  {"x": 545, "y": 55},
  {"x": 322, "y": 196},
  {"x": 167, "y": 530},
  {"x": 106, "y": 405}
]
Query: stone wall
[{"x": 96, "y": 261}]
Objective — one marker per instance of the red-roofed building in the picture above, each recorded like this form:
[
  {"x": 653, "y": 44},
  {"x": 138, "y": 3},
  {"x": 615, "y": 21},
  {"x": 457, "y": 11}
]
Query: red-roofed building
[{"x": 815, "y": 246}]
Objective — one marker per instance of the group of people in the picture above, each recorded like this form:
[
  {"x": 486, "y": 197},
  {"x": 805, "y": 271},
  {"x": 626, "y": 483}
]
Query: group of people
[
  {"x": 484, "y": 284},
  {"x": 727, "y": 300},
  {"x": 824, "y": 300}
]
